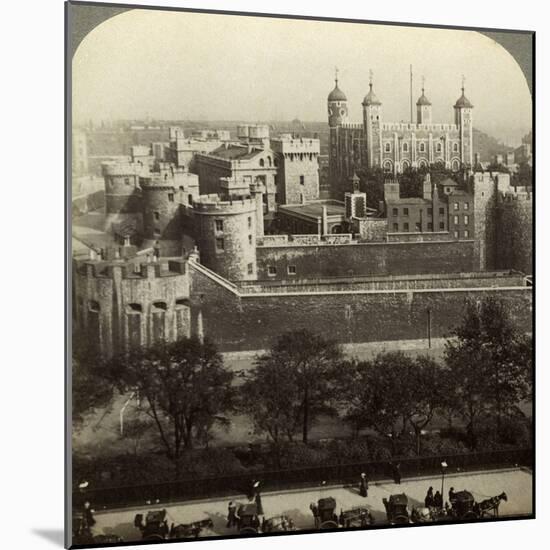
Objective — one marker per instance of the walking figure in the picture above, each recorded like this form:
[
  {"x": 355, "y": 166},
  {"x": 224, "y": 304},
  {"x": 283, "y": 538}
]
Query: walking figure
[
  {"x": 232, "y": 515},
  {"x": 364, "y": 485},
  {"x": 429, "y": 500},
  {"x": 396, "y": 470}
]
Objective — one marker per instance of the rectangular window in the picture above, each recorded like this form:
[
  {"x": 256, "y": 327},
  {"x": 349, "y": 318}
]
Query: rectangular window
[
  {"x": 271, "y": 270},
  {"x": 442, "y": 211},
  {"x": 171, "y": 197},
  {"x": 156, "y": 232},
  {"x": 430, "y": 226},
  {"x": 441, "y": 225},
  {"x": 292, "y": 270},
  {"x": 395, "y": 211},
  {"x": 405, "y": 211},
  {"x": 405, "y": 227},
  {"x": 250, "y": 269},
  {"x": 157, "y": 216},
  {"x": 418, "y": 226},
  {"x": 219, "y": 225},
  {"x": 466, "y": 219},
  {"x": 302, "y": 180},
  {"x": 466, "y": 206},
  {"x": 127, "y": 181},
  {"x": 249, "y": 239},
  {"x": 249, "y": 222},
  {"x": 455, "y": 220},
  {"x": 466, "y": 234},
  {"x": 220, "y": 245},
  {"x": 430, "y": 211},
  {"x": 456, "y": 234},
  {"x": 456, "y": 206},
  {"x": 396, "y": 227}
]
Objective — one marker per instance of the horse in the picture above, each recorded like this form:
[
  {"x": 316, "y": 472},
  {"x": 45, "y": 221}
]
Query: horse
[{"x": 490, "y": 505}]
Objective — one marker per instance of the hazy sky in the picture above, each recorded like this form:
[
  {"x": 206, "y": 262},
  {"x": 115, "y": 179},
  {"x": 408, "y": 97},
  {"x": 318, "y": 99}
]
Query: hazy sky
[{"x": 188, "y": 65}]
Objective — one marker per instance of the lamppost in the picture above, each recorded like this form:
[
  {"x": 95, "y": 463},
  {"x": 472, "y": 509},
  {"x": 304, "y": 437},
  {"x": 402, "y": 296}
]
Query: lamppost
[{"x": 443, "y": 468}]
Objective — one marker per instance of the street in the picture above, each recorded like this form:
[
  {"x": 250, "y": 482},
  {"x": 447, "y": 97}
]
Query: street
[{"x": 516, "y": 482}]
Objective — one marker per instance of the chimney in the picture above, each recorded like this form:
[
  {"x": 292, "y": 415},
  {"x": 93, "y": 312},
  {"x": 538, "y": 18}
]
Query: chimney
[{"x": 325, "y": 221}]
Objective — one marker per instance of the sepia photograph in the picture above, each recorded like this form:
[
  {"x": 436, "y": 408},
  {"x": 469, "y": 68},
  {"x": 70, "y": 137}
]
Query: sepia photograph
[{"x": 300, "y": 275}]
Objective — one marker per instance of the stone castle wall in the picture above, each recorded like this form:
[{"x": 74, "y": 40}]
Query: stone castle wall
[
  {"x": 366, "y": 259},
  {"x": 252, "y": 322}
]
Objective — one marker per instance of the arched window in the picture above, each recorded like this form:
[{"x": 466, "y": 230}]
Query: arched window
[
  {"x": 455, "y": 165},
  {"x": 439, "y": 147},
  {"x": 262, "y": 163},
  {"x": 422, "y": 147},
  {"x": 388, "y": 167},
  {"x": 455, "y": 148},
  {"x": 269, "y": 161},
  {"x": 405, "y": 147},
  {"x": 387, "y": 147}
]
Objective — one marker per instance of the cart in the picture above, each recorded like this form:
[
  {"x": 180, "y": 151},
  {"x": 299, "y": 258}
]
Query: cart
[
  {"x": 397, "y": 510},
  {"x": 248, "y": 521},
  {"x": 326, "y": 519},
  {"x": 464, "y": 506},
  {"x": 155, "y": 526}
]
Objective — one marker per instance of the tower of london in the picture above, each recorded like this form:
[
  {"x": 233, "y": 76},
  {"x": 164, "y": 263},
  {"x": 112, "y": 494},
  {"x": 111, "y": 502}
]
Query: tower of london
[{"x": 395, "y": 146}]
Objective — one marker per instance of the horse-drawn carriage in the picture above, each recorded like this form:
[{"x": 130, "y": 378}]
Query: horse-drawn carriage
[
  {"x": 397, "y": 509},
  {"x": 324, "y": 513},
  {"x": 463, "y": 506},
  {"x": 155, "y": 526},
  {"x": 358, "y": 516},
  {"x": 278, "y": 524},
  {"x": 248, "y": 521}
]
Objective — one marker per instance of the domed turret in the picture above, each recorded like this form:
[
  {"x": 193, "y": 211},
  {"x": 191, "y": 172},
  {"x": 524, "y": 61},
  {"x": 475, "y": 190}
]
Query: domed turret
[
  {"x": 337, "y": 105},
  {"x": 463, "y": 102},
  {"x": 337, "y": 94},
  {"x": 370, "y": 98},
  {"x": 423, "y": 108}
]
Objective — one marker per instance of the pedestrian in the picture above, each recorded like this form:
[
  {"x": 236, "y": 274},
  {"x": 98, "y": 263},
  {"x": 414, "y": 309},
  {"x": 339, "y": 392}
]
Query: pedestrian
[
  {"x": 397, "y": 473},
  {"x": 259, "y": 507},
  {"x": 438, "y": 500},
  {"x": 315, "y": 511},
  {"x": 429, "y": 500},
  {"x": 231, "y": 514},
  {"x": 88, "y": 516},
  {"x": 452, "y": 496},
  {"x": 364, "y": 485}
]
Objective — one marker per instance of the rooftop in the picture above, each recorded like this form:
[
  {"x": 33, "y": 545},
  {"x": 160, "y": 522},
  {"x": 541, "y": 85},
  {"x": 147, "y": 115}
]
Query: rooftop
[
  {"x": 315, "y": 209},
  {"x": 235, "y": 152}
]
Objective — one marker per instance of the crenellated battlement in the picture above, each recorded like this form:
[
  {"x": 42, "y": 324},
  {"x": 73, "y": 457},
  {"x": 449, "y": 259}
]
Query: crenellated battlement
[
  {"x": 352, "y": 126},
  {"x": 287, "y": 144},
  {"x": 121, "y": 169},
  {"x": 403, "y": 126},
  {"x": 211, "y": 204},
  {"x": 136, "y": 268}
]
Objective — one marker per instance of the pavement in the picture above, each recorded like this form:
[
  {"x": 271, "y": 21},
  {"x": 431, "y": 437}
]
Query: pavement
[{"x": 516, "y": 482}]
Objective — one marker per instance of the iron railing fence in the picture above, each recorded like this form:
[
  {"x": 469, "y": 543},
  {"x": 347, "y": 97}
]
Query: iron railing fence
[{"x": 273, "y": 480}]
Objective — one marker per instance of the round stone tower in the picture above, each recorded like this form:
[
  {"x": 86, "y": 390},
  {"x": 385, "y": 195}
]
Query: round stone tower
[
  {"x": 161, "y": 215},
  {"x": 226, "y": 236},
  {"x": 122, "y": 192}
]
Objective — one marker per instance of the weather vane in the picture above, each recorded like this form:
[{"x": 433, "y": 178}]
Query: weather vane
[
  {"x": 370, "y": 77},
  {"x": 423, "y": 82},
  {"x": 463, "y": 82},
  {"x": 336, "y": 74}
]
